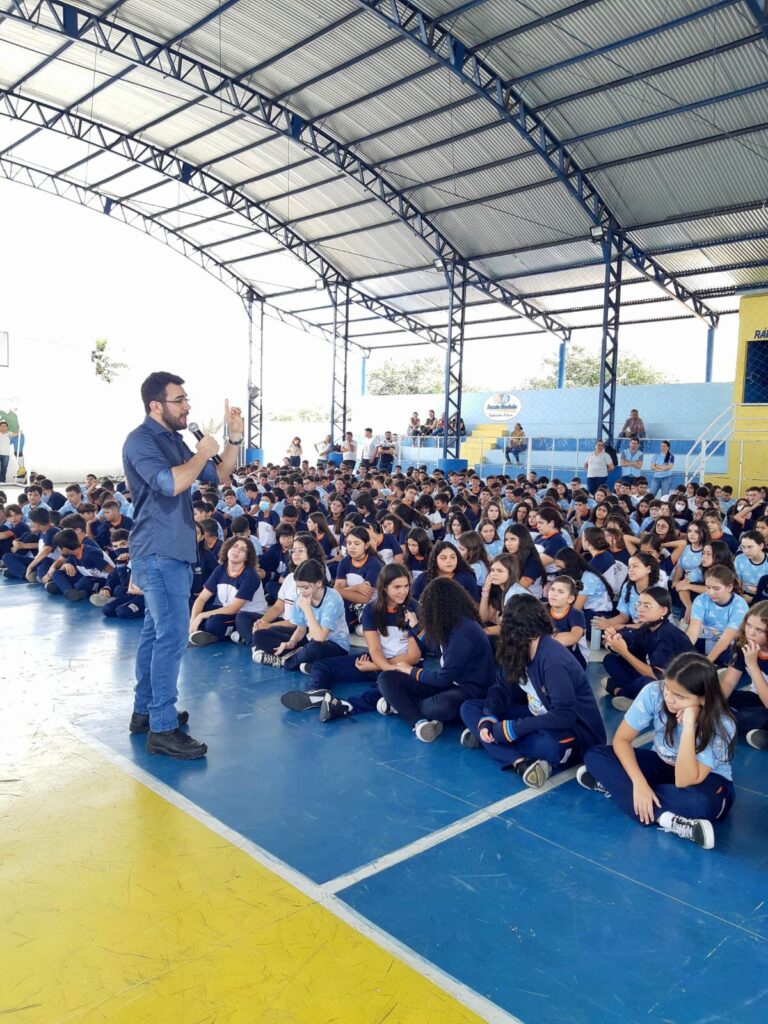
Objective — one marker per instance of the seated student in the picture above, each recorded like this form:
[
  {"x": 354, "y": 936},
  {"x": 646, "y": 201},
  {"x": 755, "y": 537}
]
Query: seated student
[
  {"x": 752, "y": 564},
  {"x": 519, "y": 543},
  {"x": 386, "y": 545},
  {"x": 320, "y": 529},
  {"x": 82, "y": 568},
  {"x": 13, "y": 529},
  {"x": 275, "y": 625},
  {"x": 209, "y": 548},
  {"x": 717, "y": 615},
  {"x": 490, "y": 538},
  {"x": 568, "y": 622},
  {"x": 53, "y": 499},
  {"x": 636, "y": 656},
  {"x": 390, "y": 628},
  {"x": 120, "y": 598},
  {"x": 74, "y": 498},
  {"x": 472, "y": 550},
  {"x": 425, "y": 506},
  {"x": 26, "y": 544},
  {"x": 273, "y": 564},
  {"x": 596, "y": 548},
  {"x": 320, "y": 627},
  {"x": 685, "y": 783},
  {"x": 500, "y": 585},
  {"x": 550, "y": 539},
  {"x": 595, "y": 594},
  {"x": 112, "y": 519},
  {"x": 417, "y": 550},
  {"x": 241, "y": 527},
  {"x": 427, "y": 698},
  {"x": 686, "y": 558},
  {"x": 34, "y": 500},
  {"x": 540, "y": 716},
  {"x": 267, "y": 520},
  {"x": 44, "y": 532},
  {"x": 714, "y": 525},
  {"x": 357, "y": 573},
  {"x": 233, "y": 587},
  {"x": 749, "y": 666},
  {"x": 642, "y": 573},
  {"x": 446, "y": 562},
  {"x": 455, "y": 525}
]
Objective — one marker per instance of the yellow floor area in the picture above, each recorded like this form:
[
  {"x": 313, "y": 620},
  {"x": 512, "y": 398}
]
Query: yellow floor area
[{"x": 119, "y": 907}]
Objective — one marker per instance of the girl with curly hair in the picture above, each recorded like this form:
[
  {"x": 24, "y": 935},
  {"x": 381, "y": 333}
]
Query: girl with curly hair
[
  {"x": 445, "y": 562},
  {"x": 426, "y": 698},
  {"x": 540, "y": 716}
]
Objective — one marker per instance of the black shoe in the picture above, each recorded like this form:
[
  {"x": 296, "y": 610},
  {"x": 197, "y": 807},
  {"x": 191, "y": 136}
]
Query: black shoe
[
  {"x": 75, "y": 595},
  {"x": 140, "y": 723},
  {"x": 332, "y": 707},
  {"x": 758, "y": 738},
  {"x": 175, "y": 743},
  {"x": 52, "y": 588},
  {"x": 585, "y": 778},
  {"x": 201, "y": 638},
  {"x": 303, "y": 700}
]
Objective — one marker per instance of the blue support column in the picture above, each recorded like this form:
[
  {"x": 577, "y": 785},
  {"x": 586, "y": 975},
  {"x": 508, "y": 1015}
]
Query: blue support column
[
  {"x": 609, "y": 352},
  {"x": 456, "y": 280},
  {"x": 363, "y": 373},
  {"x": 561, "y": 365},
  {"x": 339, "y": 294},
  {"x": 255, "y": 451},
  {"x": 710, "y": 354}
]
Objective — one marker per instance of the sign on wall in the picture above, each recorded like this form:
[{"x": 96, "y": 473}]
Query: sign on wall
[{"x": 502, "y": 406}]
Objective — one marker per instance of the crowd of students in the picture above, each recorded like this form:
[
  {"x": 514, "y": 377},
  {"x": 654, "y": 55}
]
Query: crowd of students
[{"x": 458, "y": 599}]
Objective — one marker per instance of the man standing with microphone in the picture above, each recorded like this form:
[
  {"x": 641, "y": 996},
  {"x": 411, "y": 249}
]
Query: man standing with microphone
[{"x": 161, "y": 469}]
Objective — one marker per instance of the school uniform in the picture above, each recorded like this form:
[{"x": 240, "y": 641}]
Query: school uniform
[
  {"x": 656, "y": 645},
  {"x": 389, "y": 548},
  {"x": 394, "y": 644},
  {"x": 710, "y": 799},
  {"x": 415, "y": 563},
  {"x": 748, "y": 573},
  {"x": 747, "y": 707},
  {"x": 26, "y": 509},
  {"x": 271, "y": 637},
  {"x": 690, "y": 563},
  {"x": 552, "y": 715},
  {"x": 466, "y": 671},
  {"x": 274, "y": 563},
  {"x": 532, "y": 570},
  {"x": 330, "y": 615},
  {"x": 123, "y": 604},
  {"x": 715, "y": 618},
  {"x": 550, "y": 546},
  {"x": 246, "y": 586},
  {"x": 46, "y": 541},
  {"x": 368, "y": 572},
  {"x": 92, "y": 566},
  {"x": 266, "y": 524},
  {"x": 466, "y": 580},
  {"x": 573, "y": 619},
  {"x": 102, "y": 530},
  {"x": 18, "y": 533},
  {"x": 494, "y": 548},
  {"x": 481, "y": 573},
  {"x": 55, "y": 500},
  {"x": 209, "y": 559}
]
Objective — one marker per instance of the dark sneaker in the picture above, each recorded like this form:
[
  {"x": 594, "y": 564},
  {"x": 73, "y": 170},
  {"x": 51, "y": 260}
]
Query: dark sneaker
[
  {"x": 331, "y": 707},
  {"x": 427, "y": 730},
  {"x": 469, "y": 740},
  {"x": 757, "y": 738},
  {"x": 201, "y": 638},
  {"x": 306, "y": 668},
  {"x": 270, "y": 660},
  {"x": 697, "y": 830},
  {"x": 140, "y": 723},
  {"x": 533, "y": 773},
  {"x": 586, "y": 779},
  {"x": 303, "y": 700},
  {"x": 52, "y": 588},
  {"x": 176, "y": 743},
  {"x": 75, "y": 595}
]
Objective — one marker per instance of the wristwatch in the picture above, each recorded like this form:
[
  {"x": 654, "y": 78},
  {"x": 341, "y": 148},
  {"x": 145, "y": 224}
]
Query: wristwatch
[{"x": 235, "y": 443}]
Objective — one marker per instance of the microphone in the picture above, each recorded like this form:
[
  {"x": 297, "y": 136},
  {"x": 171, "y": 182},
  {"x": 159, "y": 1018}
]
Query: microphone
[{"x": 199, "y": 435}]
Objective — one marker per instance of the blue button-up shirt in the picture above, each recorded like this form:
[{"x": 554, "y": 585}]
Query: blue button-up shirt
[{"x": 163, "y": 523}]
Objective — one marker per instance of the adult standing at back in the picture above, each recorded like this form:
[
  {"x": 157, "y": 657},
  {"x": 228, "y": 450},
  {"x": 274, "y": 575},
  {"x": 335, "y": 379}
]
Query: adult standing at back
[
  {"x": 161, "y": 469},
  {"x": 598, "y": 465}
]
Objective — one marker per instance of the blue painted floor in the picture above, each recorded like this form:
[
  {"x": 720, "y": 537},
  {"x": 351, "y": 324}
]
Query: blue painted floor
[{"x": 558, "y": 910}]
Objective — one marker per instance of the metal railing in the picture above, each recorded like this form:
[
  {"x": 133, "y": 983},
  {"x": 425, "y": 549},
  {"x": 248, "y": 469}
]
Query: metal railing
[{"x": 715, "y": 433}]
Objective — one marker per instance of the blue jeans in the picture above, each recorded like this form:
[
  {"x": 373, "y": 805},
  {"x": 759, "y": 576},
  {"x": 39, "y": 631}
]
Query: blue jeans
[
  {"x": 166, "y": 583},
  {"x": 3, "y": 467}
]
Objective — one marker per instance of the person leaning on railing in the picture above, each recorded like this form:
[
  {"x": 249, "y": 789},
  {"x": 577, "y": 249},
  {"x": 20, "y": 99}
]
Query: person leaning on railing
[{"x": 517, "y": 443}]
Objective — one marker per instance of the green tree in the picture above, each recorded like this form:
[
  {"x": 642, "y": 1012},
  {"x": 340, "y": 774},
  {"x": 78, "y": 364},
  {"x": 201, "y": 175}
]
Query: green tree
[
  {"x": 419, "y": 377},
  {"x": 582, "y": 370},
  {"x": 103, "y": 364}
]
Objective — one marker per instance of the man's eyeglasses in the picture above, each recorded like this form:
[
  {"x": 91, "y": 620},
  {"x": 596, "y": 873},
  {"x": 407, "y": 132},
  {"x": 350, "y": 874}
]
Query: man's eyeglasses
[{"x": 183, "y": 400}]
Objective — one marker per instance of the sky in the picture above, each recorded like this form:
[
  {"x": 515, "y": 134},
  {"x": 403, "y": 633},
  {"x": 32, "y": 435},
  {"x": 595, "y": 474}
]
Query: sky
[{"x": 69, "y": 275}]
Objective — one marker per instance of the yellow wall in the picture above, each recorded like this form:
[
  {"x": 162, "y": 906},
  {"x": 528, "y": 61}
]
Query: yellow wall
[{"x": 748, "y": 449}]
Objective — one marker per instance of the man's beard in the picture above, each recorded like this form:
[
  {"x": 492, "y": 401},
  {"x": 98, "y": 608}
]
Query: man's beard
[{"x": 175, "y": 422}]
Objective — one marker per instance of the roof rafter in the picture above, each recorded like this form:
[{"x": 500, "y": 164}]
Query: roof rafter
[
  {"x": 431, "y": 36},
  {"x": 141, "y": 51}
]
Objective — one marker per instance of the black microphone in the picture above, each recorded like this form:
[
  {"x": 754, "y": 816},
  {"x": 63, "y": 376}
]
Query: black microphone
[{"x": 194, "y": 429}]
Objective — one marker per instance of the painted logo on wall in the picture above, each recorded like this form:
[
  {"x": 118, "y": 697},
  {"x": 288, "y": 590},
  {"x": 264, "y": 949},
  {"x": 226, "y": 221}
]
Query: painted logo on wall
[{"x": 502, "y": 406}]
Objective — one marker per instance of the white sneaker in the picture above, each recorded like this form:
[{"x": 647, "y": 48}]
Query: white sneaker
[
  {"x": 384, "y": 707},
  {"x": 698, "y": 830},
  {"x": 427, "y": 731},
  {"x": 306, "y": 668},
  {"x": 234, "y": 636},
  {"x": 622, "y": 703}
]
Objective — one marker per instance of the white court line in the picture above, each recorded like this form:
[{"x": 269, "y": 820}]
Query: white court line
[
  {"x": 484, "y": 1008},
  {"x": 388, "y": 860}
]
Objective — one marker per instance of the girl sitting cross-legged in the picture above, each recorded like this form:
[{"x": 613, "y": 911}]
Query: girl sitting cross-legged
[
  {"x": 685, "y": 782},
  {"x": 234, "y": 586},
  {"x": 390, "y": 627},
  {"x": 540, "y": 715}
]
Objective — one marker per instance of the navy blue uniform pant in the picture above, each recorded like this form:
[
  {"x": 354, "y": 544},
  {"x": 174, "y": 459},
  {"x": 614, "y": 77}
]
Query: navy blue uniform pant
[
  {"x": 124, "y": 605},
  {"x": 623, "y": 677},
  {"x": 558, "y": 746},
  {"x": 749, "y": 710},
  {"x": 413, "y": 700},
  {"x": 342, "y": 670},
  {"x": 711, "y": 799}
]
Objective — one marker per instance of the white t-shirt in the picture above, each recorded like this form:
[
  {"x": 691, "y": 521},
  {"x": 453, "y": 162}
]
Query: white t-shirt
[
  {"x": 5, "y": 444},
  {"x": 367, "y": 448},
  {"x": 598, "y": 463}
]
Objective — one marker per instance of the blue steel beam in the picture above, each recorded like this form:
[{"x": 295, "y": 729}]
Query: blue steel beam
[
  {"x": 429, "y": 35},
  {"x": 140, "y": 51},
  {"x": 90, "y": 198}
]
